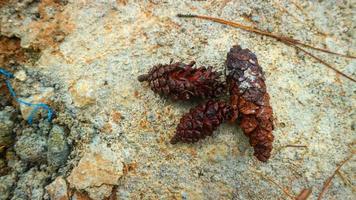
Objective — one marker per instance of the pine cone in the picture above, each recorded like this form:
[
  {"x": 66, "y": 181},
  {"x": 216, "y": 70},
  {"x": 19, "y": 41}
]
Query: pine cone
[
  {"x": 249, "y": 95},
  {"x": 182, "y": 82},
  {"x": 201, "y": 121}
]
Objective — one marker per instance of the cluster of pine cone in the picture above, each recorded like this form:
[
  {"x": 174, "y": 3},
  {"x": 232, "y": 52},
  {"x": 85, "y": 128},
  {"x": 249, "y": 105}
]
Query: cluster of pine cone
[{"x": 249, "y": 100}]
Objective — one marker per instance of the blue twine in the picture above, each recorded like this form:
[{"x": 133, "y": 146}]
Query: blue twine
[
  {"x": 50, "y": 111},
  {"x": 6, "y": 73}
]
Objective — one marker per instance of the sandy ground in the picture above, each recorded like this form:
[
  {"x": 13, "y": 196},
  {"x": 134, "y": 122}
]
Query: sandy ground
[{"x": 93, "y": 51}]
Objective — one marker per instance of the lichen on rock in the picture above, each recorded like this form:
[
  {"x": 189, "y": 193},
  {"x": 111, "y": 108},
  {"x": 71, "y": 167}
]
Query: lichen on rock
[
  {"x": 31, "y": 148},
  {"x": 6, "y": 127},
  {"x": 58, "y": 148}
]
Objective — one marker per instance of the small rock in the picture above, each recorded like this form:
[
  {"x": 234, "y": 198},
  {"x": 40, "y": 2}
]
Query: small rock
[
  {"x": 43, "y": 97},
  {"x": 59, "y": 37},
  {"x": 6, "y": 126},
  {"x": 2, "y": 164},
  {"x": 57, "y": 190},
  {"x": 3, "y": 167},
  {"x": 6, "y": 183},
  {"x": 31, "y": 185},
  {"x": 20, "y": 75},
  {"x": 116, "y": 117},
  {"x": 31, "y": 148},
  {"x": 44, "y": 127},
  {"x": 83, "y": 92},
  {"x": 270, "y": 28},
  {"x": 100, "y": 166},
  {"x": 15, "y": 163},
  {"x": 99, "y": 193},
  {"x": 151, "y": 117},
  {"x": 255, "y": 18},
  {"x": 58, "y": 149},
  {"x": 80, "y": 196}
]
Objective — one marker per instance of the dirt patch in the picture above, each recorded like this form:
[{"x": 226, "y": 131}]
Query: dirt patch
[
  {"x": 11, "y": 51},
  {"x": 53, "y": 25},
  {"x": 3, "y": 2}
]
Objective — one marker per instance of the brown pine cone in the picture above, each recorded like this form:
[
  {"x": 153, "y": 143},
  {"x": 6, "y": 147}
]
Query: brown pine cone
[
  {"x": 249, "y": 95},
  {"x": 182, "y": 82},
  {"x": 201, "y": 121}
]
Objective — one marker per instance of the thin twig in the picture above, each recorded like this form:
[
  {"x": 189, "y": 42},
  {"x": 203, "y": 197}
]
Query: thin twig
[
  {"x": 328, "y": 181},
  {"x": 261, "y": 32},
  {"x": 325, "y": 63},
  {"x": 296, "y": 145},
  {"x": 325, "y": 50},
  {"x": 275, "y": 183},
  {"x": 292, "y": 145},
  {"x": 285, "y": 10},
  {"x": 307, "y": 15},
  {"x": 304, "y": 194},
  {"x": 346, "y": 180},
  {"x": 286, "y": 40}
]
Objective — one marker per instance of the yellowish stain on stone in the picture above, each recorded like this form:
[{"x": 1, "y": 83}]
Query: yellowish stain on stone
[{"x": 97, "y": 167}]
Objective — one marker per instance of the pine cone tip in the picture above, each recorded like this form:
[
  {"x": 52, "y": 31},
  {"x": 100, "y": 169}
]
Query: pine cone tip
[
  {"x": 174, "y": 140},
  {"x": 142, "y": 77}
]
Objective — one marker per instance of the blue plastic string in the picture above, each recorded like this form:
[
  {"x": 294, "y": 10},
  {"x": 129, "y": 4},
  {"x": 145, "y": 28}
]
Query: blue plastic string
[
  {"x": 6, "y": 73},
  {"x": 50, "y": 111}
]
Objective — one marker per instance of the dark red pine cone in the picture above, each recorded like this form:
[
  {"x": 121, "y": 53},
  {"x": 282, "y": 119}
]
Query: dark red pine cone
[
  {"x": 182, "y": 82},
  {"x": 249, "y": 95},
  {"x": 201, "y": 121}
]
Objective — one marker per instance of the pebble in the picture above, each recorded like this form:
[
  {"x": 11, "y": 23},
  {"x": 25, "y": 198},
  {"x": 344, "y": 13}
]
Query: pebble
[
  {"x": 58, "y": 149},
  {"x": 97, "y": 171},
  {"x": 6, "y": 126},
  {"x": 58, "y": 189},
  {"x": 2, "y": 163},
  {"x": 83, "y": 92},
  {"x": 20, "y": 75},
  {"x": 43, "y": 97},
  {"x": 255, "y": 18},
  {"x": 6, "y": 183},
  {"x": 44, "y": 127},
  {"x": 31, "y": 148},
  {"x": 31, "y": 185},
  {"x": 151, "y": 117}
]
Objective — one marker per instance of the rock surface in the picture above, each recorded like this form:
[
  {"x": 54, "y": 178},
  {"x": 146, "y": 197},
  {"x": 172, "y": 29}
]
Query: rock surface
[
  {"x": 58, "y": 149},
  {"x": 93, "y": 51},
  {"x": 97, "y": 171},
  {"x": 43, "y": 97},
  {"x": 31, "y": 185},
  {"x": 31, "y": 148},
  {"x": 6, "y": 128},
  {"x": 7, "y": 182},
  {"x": 57, "y": 190}
]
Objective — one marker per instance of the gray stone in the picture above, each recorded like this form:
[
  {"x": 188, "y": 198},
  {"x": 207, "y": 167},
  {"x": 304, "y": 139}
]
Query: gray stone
[
  {"x": 2, "y": 163},
  {"x": 255, "y": 18},
  {"x": 14, "y": 162},
  {"x": 6, "y": 184},
  {"x": 6, "y": 127},
  {"x": 31, "y": 185},
  {"x": 31, "y": 148},
  {"x": 58, "y": 189},
  {"x": 58, "y": 149},
  {"x": 44, "y": 127}
]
